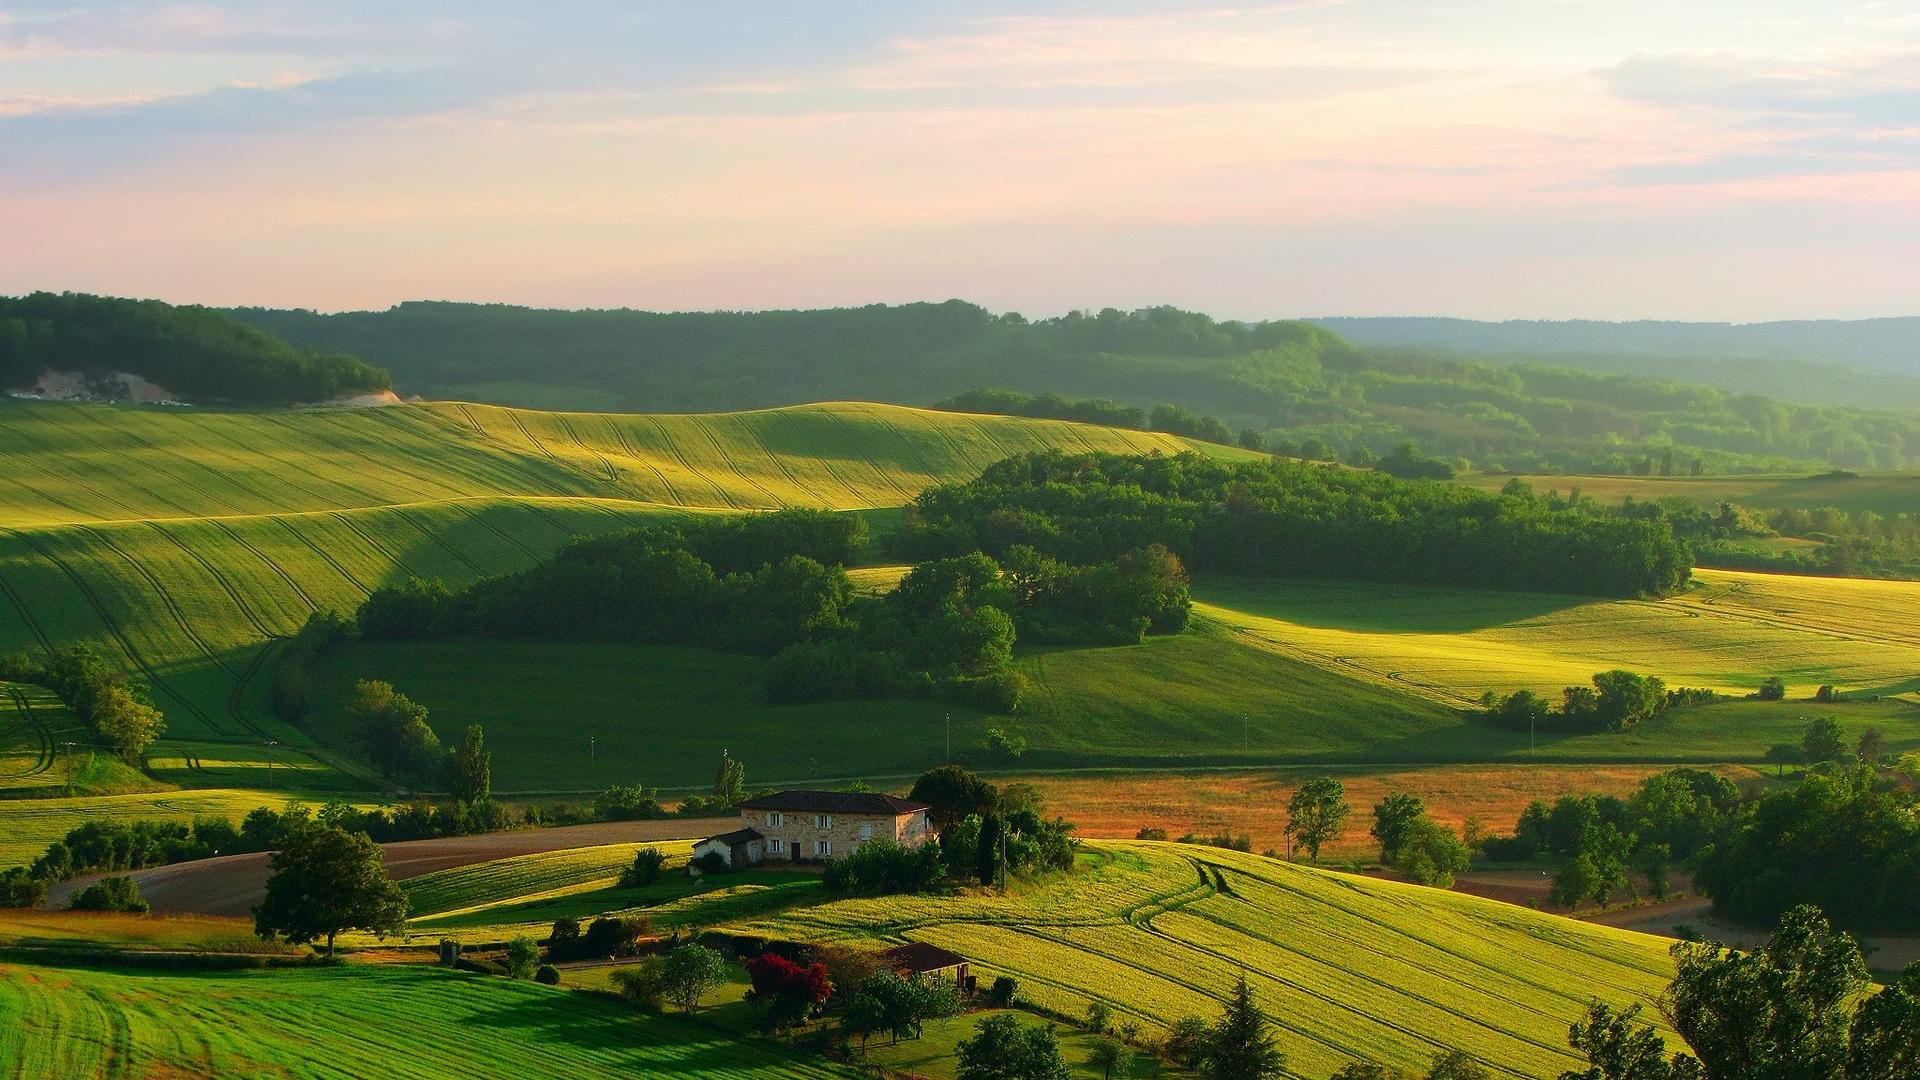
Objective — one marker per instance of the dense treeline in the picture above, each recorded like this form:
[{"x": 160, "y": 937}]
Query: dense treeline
[
  {"x": 1284, "y": 381},
  {"x": 1617, "y": 700},
  {"x": 118, "y": 712},
  {"x": 776, "y": 584},
  {"x": 753, "y": 583},
  {"x": 136, "y": 845},
  {"x": 197, "y": 353},
  {"x": 1844, "y": 840},
  {"x": 1289, "y": 518},
  {"x": 1171, "y": 419}
]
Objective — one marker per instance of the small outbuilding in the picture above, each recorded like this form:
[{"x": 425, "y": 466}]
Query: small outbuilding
[
  {"x": 741, "y": 847},
  {"x": 921, "y": 958}
]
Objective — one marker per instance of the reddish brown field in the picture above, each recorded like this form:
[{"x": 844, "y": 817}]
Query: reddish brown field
[{"x": 1254, "y": 803}]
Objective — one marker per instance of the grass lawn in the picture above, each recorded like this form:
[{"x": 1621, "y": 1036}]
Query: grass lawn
[{"x": 933, "y": 1055}]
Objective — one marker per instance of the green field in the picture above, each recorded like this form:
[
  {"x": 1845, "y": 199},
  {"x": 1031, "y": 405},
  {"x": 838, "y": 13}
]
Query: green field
[{"x": 405, "y": 1021}]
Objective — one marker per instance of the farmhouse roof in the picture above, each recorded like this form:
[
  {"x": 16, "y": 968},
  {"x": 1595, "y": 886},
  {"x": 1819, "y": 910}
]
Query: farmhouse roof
[
  {"x": 737, "y": 836},
  {"x": 834, "y": 802},
  {"x": 918, "y": 958}
]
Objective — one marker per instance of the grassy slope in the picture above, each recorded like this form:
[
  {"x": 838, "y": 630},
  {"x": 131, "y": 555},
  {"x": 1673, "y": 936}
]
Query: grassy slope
[
  {"x": 1883, "y": 492},
  {"x": 541, "y": 873},
  {"x": 392, "y": 1021},
  {"x": 1348, "y": 966}
]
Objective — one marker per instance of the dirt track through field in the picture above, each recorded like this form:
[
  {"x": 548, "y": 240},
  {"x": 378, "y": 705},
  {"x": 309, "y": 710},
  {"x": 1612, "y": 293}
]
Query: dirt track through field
[{"x": 233, "y": 884}]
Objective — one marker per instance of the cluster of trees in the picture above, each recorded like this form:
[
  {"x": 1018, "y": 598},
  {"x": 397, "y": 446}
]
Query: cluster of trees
[
  {"x": 1845, "y": 839},
  {"x": 1286, "y": 517},
  {"x": 1604, "y": 840},
  {"x": 1617, "y": 701},
  {"x": 393, "y": 731},
  {"x": 753, "y": 583},
  {"x": 1171, "y": 419},
  {"x": 1283, "y": 380},
  {"x": 196, "y": 353},
  {"x": 136, "y": 845},
  {"x": 291, "y": 689},
  {"x": 1798, "y": 1007},
  {"x": 119, "y": 713},
  {"x": 1413, "y": 843},
  {"x": 987, "y": 832}
]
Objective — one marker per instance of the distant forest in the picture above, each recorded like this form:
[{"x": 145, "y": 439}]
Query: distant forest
[
  {"x": 1293, "y": 384},
  {"x": 197, "y": 353}
]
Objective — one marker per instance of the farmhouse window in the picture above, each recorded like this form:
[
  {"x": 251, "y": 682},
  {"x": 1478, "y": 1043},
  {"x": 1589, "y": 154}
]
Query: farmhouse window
[
  {"x": 866, "y": 832},
  {"x": 776, "y": 845},
  {"x": 776, "y": 819},
  {"x": 823, "y": 821},
  {"x": 823, "y": 848}
]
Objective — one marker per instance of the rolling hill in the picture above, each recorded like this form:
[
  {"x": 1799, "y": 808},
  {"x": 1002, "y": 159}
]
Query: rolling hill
[{"x": 185, "y": 543}]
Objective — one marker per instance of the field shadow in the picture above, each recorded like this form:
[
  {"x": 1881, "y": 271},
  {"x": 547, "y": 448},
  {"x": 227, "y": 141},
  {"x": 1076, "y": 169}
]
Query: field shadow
[
  {"x": 1365, "y": 607},
  {"x": 655, "y": 1044}
]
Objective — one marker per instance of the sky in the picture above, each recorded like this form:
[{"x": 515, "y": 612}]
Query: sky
[{"x": 1737, "y": 160}]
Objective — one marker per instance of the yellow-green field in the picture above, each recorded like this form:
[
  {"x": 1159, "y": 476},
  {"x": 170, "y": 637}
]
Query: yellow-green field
[
  {"x": 1348, "y": 966},
  {"x": 541, "y": 875},
  {"x": 1726, "y": 633},
  {"x": 1882, "y": 492}
]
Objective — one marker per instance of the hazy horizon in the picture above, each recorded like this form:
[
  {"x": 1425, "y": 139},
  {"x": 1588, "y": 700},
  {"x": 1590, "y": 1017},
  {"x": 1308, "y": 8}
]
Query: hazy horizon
[{"x": 1722, "y": 162}]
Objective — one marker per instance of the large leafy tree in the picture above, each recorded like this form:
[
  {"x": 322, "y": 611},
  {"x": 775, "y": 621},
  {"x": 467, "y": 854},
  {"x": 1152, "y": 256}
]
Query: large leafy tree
[
  {"x": 471, "y": 768},
  {"x": 1003, "y": 1048},
  {"x": 1317, "y": 812},
  {"x": 1886, "y": 1032},
  {"x": 326, "y": 880},
  {"x": 1393, "y": 816},
  {"x": 1779, "y": 1012},
  {"x": 1619, "y": 1047},
  {"x": 393, "y": 729},
  {"x": 953, "y": 794}
]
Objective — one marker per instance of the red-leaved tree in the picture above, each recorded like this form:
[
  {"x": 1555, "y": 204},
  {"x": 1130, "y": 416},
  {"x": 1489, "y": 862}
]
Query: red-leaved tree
[{"x": 785, "y": 993}]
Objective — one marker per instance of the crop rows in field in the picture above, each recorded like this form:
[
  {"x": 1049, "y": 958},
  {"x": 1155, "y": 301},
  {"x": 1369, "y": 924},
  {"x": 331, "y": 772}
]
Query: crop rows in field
[
  {"x": 1348, "y": 967},
  {"x": 405, "y": 1022},
  {"x": 528, "y": 876}
]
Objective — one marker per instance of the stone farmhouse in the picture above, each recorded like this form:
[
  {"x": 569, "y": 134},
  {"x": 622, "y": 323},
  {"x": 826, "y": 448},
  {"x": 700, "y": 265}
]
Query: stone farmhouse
[{"x": 816, "y": 826}]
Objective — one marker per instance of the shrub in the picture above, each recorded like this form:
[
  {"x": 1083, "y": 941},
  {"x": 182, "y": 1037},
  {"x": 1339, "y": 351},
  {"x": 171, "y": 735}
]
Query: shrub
[
  {"x": 1003, "y": 990},
  {"x": 548, "y": 975},
  {"x": 110, "y": 894},
  {"x": 1002, "y": 744},
  {"x": 612, "y": 936},
  {"x": 711, "y": 862},
  {"x": 642, "y": 983},
  {"x": 1772, "y": 688},
  {"x": 884, "y": 866},
  {"x": 523, "y": 955},
  {"x": 1150, "y": 832},
  {"x": 645, "y": 869}
]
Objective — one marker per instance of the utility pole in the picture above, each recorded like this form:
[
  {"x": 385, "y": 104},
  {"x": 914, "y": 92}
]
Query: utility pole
[
  {"x": 593, "y": 752},
  {"x": 1246, "y": 733},
  {"x": 949, "y": 738},
  {"x": 271, "y": 743}
]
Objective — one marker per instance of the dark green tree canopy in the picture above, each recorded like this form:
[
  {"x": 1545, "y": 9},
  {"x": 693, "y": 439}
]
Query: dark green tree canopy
[{"x": 326, "y": 880}]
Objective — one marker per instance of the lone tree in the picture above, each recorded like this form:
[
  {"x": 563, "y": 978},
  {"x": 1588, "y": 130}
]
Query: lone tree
[
  {"x": 326, "y": 880},
  {"x": 1241, "y": 1046},
  {"x": 1824, "y": 741},
  {"x": 471, "y": 769},
  {"x": 690, "y": 973},
  {"x": 1393, "y": 816},
  {"x": 1317, "y": 812},
  {"x": 953, "y": 794},
  {"x": 1003, "y": 1048}
]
